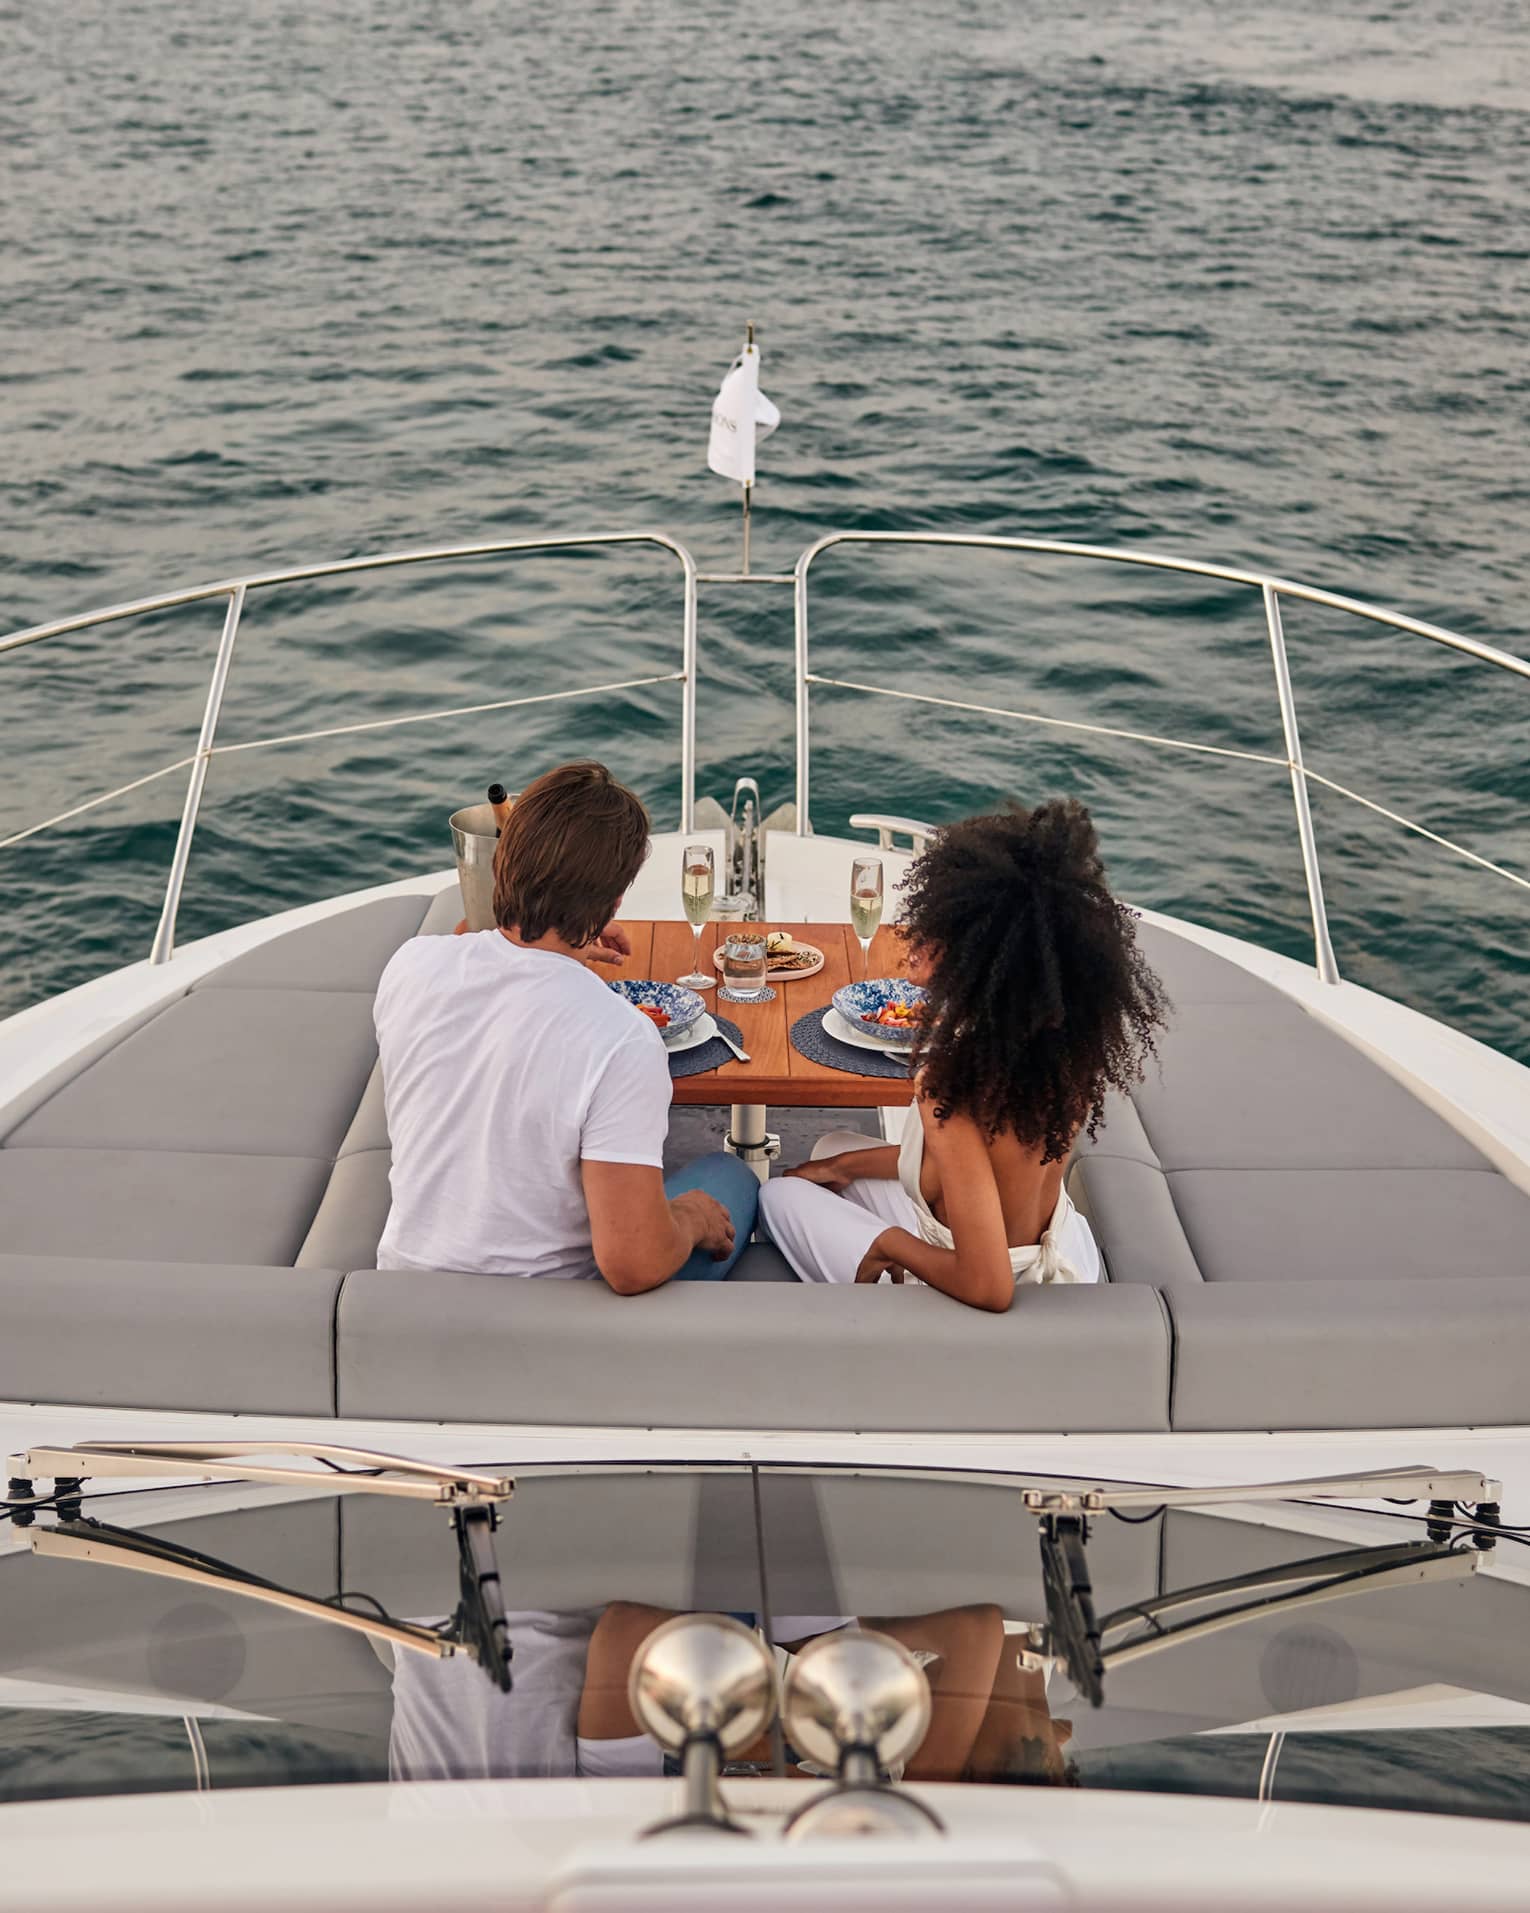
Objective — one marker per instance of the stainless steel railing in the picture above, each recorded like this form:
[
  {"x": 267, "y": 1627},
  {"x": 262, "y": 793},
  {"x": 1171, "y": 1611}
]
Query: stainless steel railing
[
  {"x": 1271, "y": 591},
  {"x": 234, "y": 591}
]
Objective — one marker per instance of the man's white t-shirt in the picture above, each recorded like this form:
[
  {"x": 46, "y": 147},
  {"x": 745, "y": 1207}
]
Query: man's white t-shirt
[{"x": 504, "y": 1068}]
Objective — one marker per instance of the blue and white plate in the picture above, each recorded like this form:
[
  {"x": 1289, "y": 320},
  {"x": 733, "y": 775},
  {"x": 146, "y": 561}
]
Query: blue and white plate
[
  {"x": 854, "y": 1001},
  {"x": 680, "y": 1005}
]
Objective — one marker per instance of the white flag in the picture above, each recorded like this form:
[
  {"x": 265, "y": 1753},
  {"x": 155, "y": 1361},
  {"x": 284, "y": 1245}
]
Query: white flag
[{"x": 741, "y": 416}]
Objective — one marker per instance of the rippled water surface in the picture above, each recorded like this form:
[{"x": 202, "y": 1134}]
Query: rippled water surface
[{"x": 283, "y": 283}]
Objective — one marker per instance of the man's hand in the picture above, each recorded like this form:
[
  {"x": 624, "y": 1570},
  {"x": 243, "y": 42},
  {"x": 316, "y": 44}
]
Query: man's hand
[
  {"x": 712, "y": 1224},
  {"x": 826, "y": 1173},
  {"x": 641, "y": 1237},
  {"x": 613, "y": 945}
]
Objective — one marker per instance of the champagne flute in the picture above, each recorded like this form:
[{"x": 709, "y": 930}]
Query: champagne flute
[
  {"x": 865, "y": 905},
  {"x": 696, "y": 888}
]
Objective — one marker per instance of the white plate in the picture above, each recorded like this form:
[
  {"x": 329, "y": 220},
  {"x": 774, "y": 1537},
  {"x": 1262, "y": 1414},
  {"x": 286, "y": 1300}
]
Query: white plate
[
  {"x": 835, "y": 1025},
  {"x": 782, "y": 976},
  {"x": 701, "y": 1031}
]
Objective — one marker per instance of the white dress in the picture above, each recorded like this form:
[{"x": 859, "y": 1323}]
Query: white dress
[{"x": 826, "y": 1236}]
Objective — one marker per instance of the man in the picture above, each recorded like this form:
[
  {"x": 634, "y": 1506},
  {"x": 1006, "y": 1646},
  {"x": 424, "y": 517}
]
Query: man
[{"x": 527, "y": 1103}]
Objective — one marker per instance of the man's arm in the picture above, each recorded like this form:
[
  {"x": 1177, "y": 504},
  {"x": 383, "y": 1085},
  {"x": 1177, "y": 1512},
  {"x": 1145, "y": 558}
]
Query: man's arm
[{"x": 640, "y": 1237}]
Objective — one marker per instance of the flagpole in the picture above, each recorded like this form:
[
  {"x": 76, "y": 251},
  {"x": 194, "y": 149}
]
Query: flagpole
[{"x": 748, "y": 341}]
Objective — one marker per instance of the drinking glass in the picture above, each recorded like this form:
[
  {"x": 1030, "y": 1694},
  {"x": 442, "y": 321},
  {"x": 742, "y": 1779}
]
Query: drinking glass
[
  {"x": 865, "y": 905},
  {"x": 696, "y": 886},
  {"x": 745, "y": 967}
]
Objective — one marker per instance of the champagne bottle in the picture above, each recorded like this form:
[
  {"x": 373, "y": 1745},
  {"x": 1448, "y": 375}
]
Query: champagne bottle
[{"x": 500, "y": 803}]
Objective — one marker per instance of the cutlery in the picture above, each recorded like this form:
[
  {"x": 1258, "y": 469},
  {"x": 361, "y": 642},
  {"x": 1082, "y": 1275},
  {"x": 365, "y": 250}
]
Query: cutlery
[{"x": 723, "y": 1037}]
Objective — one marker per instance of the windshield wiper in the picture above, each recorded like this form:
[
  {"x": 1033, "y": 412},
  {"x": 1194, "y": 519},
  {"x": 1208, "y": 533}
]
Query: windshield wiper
[
  {"x": 479, "y": 1627},
  {"x": 1075, "y": 1636},
  {"x": 340, "y": 1471}
]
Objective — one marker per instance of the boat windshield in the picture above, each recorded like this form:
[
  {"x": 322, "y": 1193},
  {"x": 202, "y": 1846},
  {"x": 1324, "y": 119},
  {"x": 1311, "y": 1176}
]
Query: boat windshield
[{"x": 1401, "y": 1678}]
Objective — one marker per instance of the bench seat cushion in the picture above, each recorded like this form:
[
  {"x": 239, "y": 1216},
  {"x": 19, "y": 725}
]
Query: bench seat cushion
[
  {"x": 763, "y": 1355},
  {"x": 1266, "y": 1148},
  {"x": 159, "y": 1203},
  {"x": 1341, "y": 1354},
  {"x": 347, "y": 951},
  {"x": 167, "y": 1335}
]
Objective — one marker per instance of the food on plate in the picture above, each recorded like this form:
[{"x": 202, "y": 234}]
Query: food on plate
[
  {"x": 894, "y": 1016},
  {"x": 659, "y": 1018},
  {"x": 785, "y": 956}
]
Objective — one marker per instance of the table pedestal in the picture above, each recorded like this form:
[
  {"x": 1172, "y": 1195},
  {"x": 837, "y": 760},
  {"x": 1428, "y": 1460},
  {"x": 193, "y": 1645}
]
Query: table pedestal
[{"x": 749, "y": 1140}]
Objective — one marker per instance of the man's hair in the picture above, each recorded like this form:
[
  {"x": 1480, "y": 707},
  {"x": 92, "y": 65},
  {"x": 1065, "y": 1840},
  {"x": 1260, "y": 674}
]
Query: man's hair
[
  {"x": 573, "y": 843},
  {"x": 1040, "y": 1000}
]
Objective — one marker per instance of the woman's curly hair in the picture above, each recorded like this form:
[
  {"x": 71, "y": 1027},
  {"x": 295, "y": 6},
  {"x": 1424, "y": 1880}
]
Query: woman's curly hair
[{"x": 1039, "y": 999}]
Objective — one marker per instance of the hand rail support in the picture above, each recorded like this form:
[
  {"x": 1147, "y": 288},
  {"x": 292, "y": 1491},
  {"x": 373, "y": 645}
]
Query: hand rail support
[
  {"x": 164, "y": 937},
  {"x": 1327, "y": 963}
]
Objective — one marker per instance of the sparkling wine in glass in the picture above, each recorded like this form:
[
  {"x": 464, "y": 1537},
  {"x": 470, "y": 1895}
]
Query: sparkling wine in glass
[
  {"x": 697, "y": 883},
  {"x": 865, "y": 904}
]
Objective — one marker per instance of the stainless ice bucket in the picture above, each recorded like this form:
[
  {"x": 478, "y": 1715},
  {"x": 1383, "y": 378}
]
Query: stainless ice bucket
[{"x": 473, "y": 838}]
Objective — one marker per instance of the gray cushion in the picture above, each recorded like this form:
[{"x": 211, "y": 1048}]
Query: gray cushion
[
  {"x": 1264, "y": 1085},
  {"x": 350, "y": 1220},
  {"x": 1363, "y": 1225},
  {"x": 1193, "y": 974},
  {"x": 275, "y": 1072},
  {"x": 136, "y": 1334},
  {"x": 158, "y": 1203},
  {"x": 369, "y": 1126},
  {"x": 347, "y": 951},
  {"x": 699, "y": 1354},
  {"x": 1120, "y": 1133},
  {"x": 1342, "y": 1354},
  {"x": 1132, "y": 1213},
  {"x": 445, "y": 912},
  {"x": 44, "y": 1087},
  {"x": 762, "y": 1262}
]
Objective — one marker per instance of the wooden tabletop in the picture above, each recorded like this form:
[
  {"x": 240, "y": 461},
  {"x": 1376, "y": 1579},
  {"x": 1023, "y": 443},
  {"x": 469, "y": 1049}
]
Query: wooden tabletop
[{"x": 776, "y": 1073}]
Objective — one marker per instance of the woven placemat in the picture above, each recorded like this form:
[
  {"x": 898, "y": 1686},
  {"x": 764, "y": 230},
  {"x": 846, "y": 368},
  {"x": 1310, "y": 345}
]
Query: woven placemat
[
  {"x": 709, "y": 1055},
  {"x": 810, "y": 1039}
]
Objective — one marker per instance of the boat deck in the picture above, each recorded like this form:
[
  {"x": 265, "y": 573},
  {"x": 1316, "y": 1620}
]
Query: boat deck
[{"x": 1294, "y": 1240}]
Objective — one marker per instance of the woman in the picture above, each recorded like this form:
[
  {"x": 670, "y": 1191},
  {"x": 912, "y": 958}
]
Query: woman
[{"x": 1039, "y": 1002}]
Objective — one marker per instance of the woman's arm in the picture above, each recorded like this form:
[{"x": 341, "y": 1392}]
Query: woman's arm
[
  {"x": 879, "y": 1163},
  {"x": 977, "y": 1271}
]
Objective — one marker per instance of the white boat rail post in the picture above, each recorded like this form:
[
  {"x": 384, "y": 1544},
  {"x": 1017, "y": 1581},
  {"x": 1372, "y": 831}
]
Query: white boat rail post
[
  {"x": 687, "y": 695},
  {"x": 163, "y": 946},
  {"x": 800, "y": 604},
  {"x": 1327, "y": 963}
]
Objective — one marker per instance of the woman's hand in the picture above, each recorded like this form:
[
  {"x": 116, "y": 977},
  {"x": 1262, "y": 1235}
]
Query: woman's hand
[
  {"x": 881, "y": 1259},
  {"x": 827, "y": 1173}
]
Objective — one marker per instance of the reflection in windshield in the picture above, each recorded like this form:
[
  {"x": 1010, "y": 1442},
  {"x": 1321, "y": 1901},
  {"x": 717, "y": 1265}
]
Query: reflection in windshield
[
  {"x": 568, "y": 1712},
  {"x": 111, "y": 1681}
]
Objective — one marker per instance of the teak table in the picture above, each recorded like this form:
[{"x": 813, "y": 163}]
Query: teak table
[{"x": 776, "y": 1072}]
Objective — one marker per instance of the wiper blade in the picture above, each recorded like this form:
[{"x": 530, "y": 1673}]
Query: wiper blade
[
  {"x": 88, "y": 1540},
  {"x": 1076, "y": 1637},
  {"x": 480, "y": 1626},
  {"x": 1299, "y": 1584},
  {"x": 341, "y": 1470}
]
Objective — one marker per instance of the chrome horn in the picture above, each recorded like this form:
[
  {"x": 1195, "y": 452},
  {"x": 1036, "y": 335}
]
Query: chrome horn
[
  {"x": 857, "y": 1704},
  {"x": 703, "y": 1686}
]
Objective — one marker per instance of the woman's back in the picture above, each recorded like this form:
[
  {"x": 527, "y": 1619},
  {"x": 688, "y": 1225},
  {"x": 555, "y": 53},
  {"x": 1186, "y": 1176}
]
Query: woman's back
[{"x": 1028, "y": 1186}]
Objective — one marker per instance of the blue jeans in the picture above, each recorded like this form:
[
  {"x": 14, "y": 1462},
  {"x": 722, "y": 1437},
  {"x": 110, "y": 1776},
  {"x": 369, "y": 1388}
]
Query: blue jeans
[{"x": 737, "y": 1188}]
